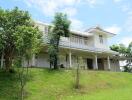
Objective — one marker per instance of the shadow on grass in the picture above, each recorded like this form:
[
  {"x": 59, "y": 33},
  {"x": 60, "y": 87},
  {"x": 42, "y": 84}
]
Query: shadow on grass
[{"x": 10, "y": 85}]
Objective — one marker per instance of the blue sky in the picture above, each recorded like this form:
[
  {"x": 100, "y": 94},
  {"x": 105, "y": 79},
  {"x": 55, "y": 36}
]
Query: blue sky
[{"x": 112, "y": 15}]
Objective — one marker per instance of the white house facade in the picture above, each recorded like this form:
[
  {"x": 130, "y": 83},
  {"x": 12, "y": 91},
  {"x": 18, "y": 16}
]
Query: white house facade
[{"x": 91, "y": 46}]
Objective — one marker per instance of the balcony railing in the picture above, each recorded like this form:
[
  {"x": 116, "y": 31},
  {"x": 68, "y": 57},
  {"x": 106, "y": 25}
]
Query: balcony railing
[
  {"x": 70, "y": 44},
  {"x": 67, "y": 43}
]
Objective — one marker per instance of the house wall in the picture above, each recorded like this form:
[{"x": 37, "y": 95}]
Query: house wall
[
  {"x": 105, "y": 64},
  {"x": 64, "y": 60},
  {"x": 91, "y": 41},
  {"x": 76, "y": 59},
  {"x": 83, "y": 62},
  {"x": 97, "y": 43},
  {"x": 115, "y": 65},
  {"x": 42, "y": 60},
  {"x": 77, "y": 41}
]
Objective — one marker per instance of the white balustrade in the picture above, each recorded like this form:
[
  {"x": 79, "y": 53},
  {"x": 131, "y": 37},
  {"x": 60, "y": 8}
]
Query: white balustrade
[{"x": 69, "y": 44}]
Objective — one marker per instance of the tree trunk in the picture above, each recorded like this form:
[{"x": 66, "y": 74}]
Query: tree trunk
[
  {"x": 8, "y": 63},
  {"x": 77, "y": 77},
  {"x": 27, "y": 65},
  {"x": 21, "y": 76},
  {"x": 56, "y": 56},
  {"x": 2, "y": 59},
  {"x": 8, "y": 55},
  {"x": 50, "y": 64},
  {"x": 56, "y": 63}
]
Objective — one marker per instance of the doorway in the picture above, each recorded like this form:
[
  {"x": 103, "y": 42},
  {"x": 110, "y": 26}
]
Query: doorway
[
  {"x": 100, "y": 64},
  {"x": 90, "y": 63}
]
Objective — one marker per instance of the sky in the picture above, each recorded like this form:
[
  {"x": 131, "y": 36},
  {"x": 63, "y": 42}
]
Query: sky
[{"x": 112, "y": 15}]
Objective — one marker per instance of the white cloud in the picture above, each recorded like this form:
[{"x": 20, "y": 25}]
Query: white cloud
[
  {"x": 127, "y": 10},
  {"x": 70, "y": 11},
  {"x": 113, "y": 29},
  {"x": 126, "y": 40},
  {"x": 76, "y": 24},
  {"x": 116, "y": 1},
  {"x": 69, "y": 2},
  {"x": 125, "y": 7},
  {"x": 93, "y": 3},
  {"x": 49, "y": 7},
  {"x": 128, "y": 24}
]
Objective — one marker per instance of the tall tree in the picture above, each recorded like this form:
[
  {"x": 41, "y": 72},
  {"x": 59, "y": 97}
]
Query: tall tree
[
  {"x": 125, "y": 52},
  {"x": 129, "y": 53},
  {"x": 61, "y": 26},
  {"x": 121, "y": 48},
  {"x": 18, "y": 35}
]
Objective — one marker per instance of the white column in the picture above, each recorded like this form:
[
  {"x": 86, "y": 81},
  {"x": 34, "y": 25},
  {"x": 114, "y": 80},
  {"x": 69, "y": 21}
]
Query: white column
[
  {"x": 96, "y": 62},
  {"x": 33, "y": 60},
  {"x": 70, "y": 59},
  {"x": 108, "y": 61}
]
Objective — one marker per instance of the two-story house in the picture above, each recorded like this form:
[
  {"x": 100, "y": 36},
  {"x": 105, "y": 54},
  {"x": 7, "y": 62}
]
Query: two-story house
[{"x": 91, "y": 45}]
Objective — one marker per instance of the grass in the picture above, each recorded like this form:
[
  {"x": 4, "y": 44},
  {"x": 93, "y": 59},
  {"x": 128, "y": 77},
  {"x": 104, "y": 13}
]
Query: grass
[{"x": 44, "y": 84}]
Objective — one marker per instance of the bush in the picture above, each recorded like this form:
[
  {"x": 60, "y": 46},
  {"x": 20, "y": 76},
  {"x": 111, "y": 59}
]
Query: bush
[{"x": 127, "y": 68}]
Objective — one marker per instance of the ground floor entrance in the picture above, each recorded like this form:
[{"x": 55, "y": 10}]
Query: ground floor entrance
[
  {"x": 89, "y": 63},
  {"x": 72, "y": 58},
  {"x": 100, "y": 64}
]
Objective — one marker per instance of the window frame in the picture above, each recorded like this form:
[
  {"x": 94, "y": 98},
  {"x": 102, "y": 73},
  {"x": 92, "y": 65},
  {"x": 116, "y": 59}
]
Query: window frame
[{"x": 101, "y": 40}]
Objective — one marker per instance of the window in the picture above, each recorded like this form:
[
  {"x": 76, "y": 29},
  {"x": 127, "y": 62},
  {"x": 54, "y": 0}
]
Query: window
[{"x": 101, "y": 39}]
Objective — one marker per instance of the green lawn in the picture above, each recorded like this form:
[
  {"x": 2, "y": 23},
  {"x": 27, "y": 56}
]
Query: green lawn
[{"x": 44, "y": 84}]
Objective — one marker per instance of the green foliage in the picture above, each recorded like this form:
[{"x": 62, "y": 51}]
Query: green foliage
[
  {"x": 127, "y": 69},
  {"x": 119, "y": 48},
  {"x": 129, "y": 49},
  {"x": 27, "y": 39},
  {"x": 61, "y": 26},
  {"x": 18, "y": 35},
  {"x": 126, "y": 52}
]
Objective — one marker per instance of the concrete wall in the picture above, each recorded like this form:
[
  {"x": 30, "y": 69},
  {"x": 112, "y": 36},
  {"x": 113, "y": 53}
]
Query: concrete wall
[
  {"x": 75, "y": 59},
  {"x": 115, "y": 65},
  {"x": 42, "y": 60},
  {"x": 97, "y": 43},
  {"x": 105, "y": 64},
  {"x": 64, "y": 60},
  {"x": 90, "y": 41}
]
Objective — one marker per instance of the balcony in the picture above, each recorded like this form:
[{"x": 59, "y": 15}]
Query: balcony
[{"x": 67, "y": 43}]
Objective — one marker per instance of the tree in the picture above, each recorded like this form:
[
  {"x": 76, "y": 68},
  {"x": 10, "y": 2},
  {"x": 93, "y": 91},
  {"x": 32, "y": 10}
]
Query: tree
[
  {"x": 61, "y": 26},
  {"x": 18, "y": 35},
  {"x": 125, "y": 52},
  {"x": 27, "y": 43},
  {"x": 78, "y": 67}
]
